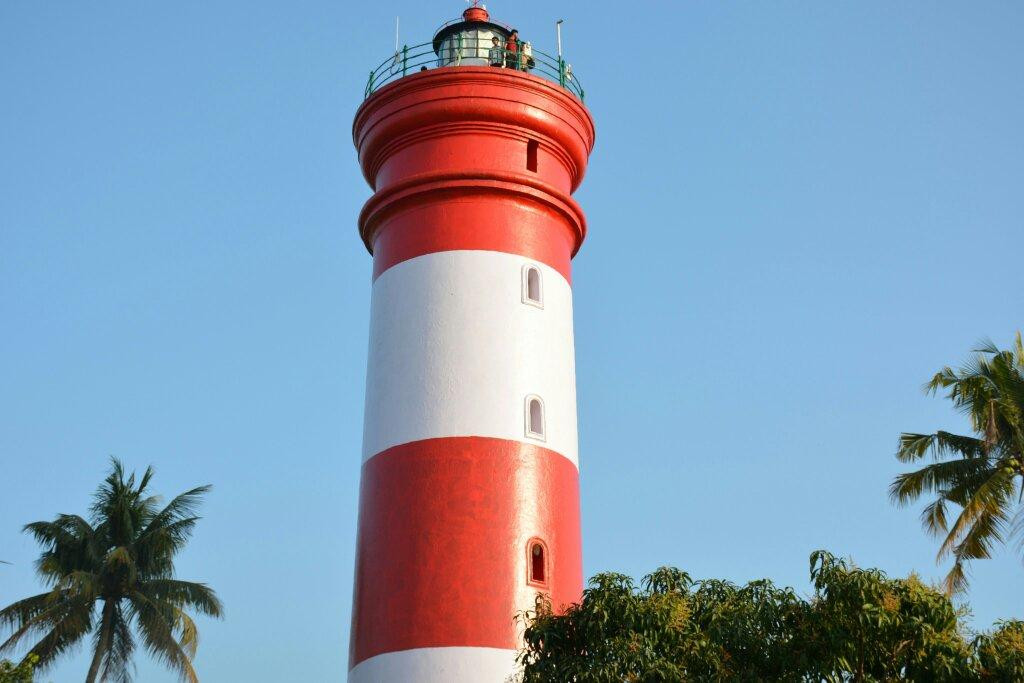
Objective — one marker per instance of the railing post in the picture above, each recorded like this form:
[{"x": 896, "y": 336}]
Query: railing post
[
  {"x": 369, "y": 86},
  {"x": 561, "y": 72},
  {"x": 519, "y": 55},
  {"x": 405, "y": 58}
]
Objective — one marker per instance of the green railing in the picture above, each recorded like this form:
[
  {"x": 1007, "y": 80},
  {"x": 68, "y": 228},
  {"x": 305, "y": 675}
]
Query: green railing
[{"x": 410, "y": 59}]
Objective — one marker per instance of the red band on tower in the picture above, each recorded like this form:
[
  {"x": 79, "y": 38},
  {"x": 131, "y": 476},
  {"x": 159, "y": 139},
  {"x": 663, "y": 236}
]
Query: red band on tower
[{"x": 442, "y": 545}]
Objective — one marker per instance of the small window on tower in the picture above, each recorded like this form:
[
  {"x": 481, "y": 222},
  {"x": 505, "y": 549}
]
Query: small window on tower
[
  {"x": 538, "y": 563},
  {"x": 533, "y": 289},
  {"x": 534, "y": 418},
  {"x": 531, "y": 155}
]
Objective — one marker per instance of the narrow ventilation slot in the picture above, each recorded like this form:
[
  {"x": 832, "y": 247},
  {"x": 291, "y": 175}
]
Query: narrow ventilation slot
[{"x": 531, "y": 155}]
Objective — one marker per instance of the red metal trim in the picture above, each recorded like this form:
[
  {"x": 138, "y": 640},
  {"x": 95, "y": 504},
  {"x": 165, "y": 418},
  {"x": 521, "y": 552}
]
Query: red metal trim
[
  {"x": 473, "y": 158},
  {"x": 455, "y": 95},
  {"x": 475, "y": 215}
]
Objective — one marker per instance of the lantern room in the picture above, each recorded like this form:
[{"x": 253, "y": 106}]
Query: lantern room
[
  {"x": 475, "y": 40},
  {"x": 468, "y": 42}
]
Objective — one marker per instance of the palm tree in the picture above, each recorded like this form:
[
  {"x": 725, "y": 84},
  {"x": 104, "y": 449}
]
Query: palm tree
[
  {"x": 982, "y": 475},
  {"x": 113, "y": 572}
]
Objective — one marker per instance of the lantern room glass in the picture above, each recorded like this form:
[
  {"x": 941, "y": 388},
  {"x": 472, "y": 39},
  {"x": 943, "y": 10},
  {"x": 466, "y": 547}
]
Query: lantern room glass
[{"x": 468, "y": 47}]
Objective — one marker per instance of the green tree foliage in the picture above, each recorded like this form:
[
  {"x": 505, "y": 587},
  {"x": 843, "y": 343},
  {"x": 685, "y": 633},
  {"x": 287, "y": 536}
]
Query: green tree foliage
[
  {"x": 111, "y": 574},
  {"x": 1001, "y": 653},
  {"x": 869, "y": 627},
  {"x": 860, "y": 625},
  {"x": 981, "y": 476},
  {"x": 18, "y": 673}
]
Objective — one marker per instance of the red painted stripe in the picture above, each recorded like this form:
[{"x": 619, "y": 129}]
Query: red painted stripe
[
  {"x": 492, "y": 215},
  {"x": 442, "y": 550}
]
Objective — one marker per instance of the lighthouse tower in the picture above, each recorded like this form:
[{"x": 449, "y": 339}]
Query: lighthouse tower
[{"x": 469, "y": 501}]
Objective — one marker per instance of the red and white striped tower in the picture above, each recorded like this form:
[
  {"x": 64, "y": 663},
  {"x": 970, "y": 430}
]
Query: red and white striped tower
[{"x": 469, "y": 502}]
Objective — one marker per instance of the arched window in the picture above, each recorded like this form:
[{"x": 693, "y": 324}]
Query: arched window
[
  {"x": 534, "y": 418},
  {"x": 533, "y": 287},
  {"x": 537, "y": 561}
]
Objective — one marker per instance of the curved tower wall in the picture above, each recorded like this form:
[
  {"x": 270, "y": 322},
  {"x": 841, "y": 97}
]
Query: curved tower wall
[{"x": 470, "y": 463}]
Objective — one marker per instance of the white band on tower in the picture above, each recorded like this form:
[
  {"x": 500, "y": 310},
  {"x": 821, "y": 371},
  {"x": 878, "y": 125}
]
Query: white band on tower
[
  {"x": 457, "y": 346},
  {"x": 437, "y": 665}
]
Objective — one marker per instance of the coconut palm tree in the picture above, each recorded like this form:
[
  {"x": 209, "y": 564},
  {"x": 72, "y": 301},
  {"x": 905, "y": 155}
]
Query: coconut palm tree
[
  {"x": 981, "y": 475},
  {"x": 113, "y": 578}
]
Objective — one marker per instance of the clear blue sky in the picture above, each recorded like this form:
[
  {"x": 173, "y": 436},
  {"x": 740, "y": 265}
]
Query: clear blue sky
[{"x": 798, "y": 212}]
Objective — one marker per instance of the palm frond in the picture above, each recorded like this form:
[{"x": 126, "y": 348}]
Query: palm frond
[
  {"x": 188, "y": 634},
  {"x": 191, "y": 594},
  {"x": 64, "y": 529},
  {"x": 1016, "y": 531},
  {"x": 183, "y": 506},
  {"x": 909, "y": 486},
  {"x": 940, "y": 444},
  {"x": 986, "y": 345},
  {"x": 117, "y": 663},
  {"x": 157, "y": 624},
  {"x": 25, "y": 610},
  {"x": 933, "y": 517},
  {"x": 956, "y": 580},
  {"x": 914, "y": 446},
  {"x": 982, "y": 518},
  {"x": 65, "y": 637},
  {"x": 34, "y": 616},
  {"x": 60, "y": 626},
  {"x": 986, "y": 531},
  {"x": 147, "y": 476},
  {"x": 943, "y": 378}
]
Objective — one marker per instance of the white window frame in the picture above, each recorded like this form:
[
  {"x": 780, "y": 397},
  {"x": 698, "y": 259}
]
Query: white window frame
[
  {"x": 527, "y": 299},
  {"x": 528, "y": 426}
]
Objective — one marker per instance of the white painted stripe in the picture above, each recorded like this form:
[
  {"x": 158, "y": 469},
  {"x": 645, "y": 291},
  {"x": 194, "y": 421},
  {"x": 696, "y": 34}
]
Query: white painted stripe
[
  {"x": 454, "y": 351},
  {"x": 438, "y": 665}
]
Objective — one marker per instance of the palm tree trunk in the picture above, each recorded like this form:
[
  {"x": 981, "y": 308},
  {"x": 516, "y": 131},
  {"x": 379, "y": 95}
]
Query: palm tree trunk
[{"x": 103, "y": 646}]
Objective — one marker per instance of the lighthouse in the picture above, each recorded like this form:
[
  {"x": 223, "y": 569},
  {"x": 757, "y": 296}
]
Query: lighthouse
[{"x": 472, "y": 143}]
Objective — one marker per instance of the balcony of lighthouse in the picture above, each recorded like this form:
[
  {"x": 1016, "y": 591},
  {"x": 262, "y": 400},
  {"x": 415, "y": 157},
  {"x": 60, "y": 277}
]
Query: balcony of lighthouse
[{"x": 469, "y": 41}]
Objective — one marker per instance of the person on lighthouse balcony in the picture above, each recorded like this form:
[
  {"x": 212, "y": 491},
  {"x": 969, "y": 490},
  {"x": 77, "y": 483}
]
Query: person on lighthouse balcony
[
  {"x": 496, "y": 56},
  {"x": 526, "y": 59},
  {"x": 512, "y": 50}
]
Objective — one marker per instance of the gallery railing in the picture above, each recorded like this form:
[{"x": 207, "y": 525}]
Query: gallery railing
[{"x": 460, "y": 51}]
